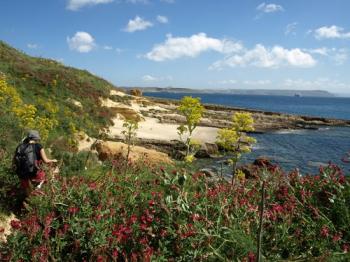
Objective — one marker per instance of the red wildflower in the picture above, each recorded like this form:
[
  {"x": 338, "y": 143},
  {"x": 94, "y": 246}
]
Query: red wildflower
[
  {"x": 282, "y": 192},
  {"x": 324, "y": 231},
  {"x": 197, "y": 195},
  {"x": 198, "y": 175},
  {"x": 144, "y": 241},
  {"x": 251, "y": 257},
  {"x": 277, "y": 208},
  {"x": 100, "y": 258},
  {"x": 243, "y": 202},
  {"x": 92, "y": 185},
  {"x": 189, "y": 232},
  {"x": 65, "y": 228},
  {"x": 342, "y": 179},
  {"x": 346, "y": 248},
  {"x": 336, "y": 237},
  {"x": 40, "y": 253},
  {"x": 73, "y": 210},
  {"x": 163, "y": 233},
  {"x": 195, "y": 217},
  {"x": 133, "y": 218},
  {"x": 315, "y": 211},
  {"x": 15, "y": 224},
  {"x": 47, "y": 231},
  {"x": 115, "y": 253},
  {"x": 143, "y": 227},
  {"x": 147, "y": 254},
  {"x": 49, "y": 218}
]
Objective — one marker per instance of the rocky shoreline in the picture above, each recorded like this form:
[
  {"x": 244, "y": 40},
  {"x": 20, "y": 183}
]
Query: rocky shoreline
[
  {"x": 219, "y": 116},
  {"x": 158, "y": 121}
]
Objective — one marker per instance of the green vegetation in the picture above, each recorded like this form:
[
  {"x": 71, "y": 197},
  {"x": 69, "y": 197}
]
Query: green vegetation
[
  {"x": 234, "y": 140},
  {"x": 192, "y": 110},
  {"x": 46, "y": 87},
  {"x": 129, "y": 132},
  {"x": 171, "y": 214},
  {"x": 96, "y": 211}
]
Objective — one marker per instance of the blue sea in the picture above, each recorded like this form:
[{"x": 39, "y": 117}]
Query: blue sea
[{"x": 303, "y": 149}]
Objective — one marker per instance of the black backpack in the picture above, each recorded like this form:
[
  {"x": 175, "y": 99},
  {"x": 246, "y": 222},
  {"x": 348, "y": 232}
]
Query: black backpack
[{"x": 25, "y": 160}]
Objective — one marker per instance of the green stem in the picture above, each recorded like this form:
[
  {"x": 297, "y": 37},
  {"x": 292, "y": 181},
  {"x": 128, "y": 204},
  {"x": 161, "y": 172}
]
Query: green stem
[{"x": 260, "y": 231}]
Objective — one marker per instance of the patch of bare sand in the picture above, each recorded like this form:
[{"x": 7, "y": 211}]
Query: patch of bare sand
[
  {"x": 151, "y": 128},
  {"x": 116, "y": 93}
]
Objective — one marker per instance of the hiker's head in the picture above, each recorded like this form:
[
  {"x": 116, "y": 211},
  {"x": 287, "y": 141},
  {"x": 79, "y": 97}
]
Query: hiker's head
[{"x": 33, "y": 135}]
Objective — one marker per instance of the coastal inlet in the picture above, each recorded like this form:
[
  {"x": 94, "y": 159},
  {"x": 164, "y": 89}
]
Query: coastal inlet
[{"x": 306, "y": 143}]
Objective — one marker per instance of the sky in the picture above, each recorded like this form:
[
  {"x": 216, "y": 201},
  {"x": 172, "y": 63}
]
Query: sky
[{"x": 216, "y": 44}]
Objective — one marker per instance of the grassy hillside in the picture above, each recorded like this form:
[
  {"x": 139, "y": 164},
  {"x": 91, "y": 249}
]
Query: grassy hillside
[{"x": 39, "y": 81}]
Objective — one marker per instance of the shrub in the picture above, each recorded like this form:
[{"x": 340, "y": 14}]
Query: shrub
[
  {"x": 234, "y": 140},
  {"x": 175, "y": 215},
  {"x": 192, "y": 110}
]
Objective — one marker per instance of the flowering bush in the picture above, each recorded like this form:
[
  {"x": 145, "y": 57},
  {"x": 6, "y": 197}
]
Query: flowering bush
[
  {"x": 192, "y": 110},
  {"x": 168, "y": 215},
  {"x": 26, "y": 115}
]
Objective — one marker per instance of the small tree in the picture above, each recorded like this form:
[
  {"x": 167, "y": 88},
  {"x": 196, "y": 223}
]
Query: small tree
[
  {"x": 234, "y": 140},
  {"x": 192, "y": 110},
  {"x": 129, "y": 132}
]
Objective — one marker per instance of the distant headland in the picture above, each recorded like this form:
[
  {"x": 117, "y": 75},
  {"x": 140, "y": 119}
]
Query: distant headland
[{"x": 267, "y": 92}]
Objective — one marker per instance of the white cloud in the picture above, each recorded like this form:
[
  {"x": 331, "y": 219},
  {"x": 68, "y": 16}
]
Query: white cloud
[
  {"x": 137, "y": 1},
  {"x": 274, "y": 57},
  {"x": 149, "y": 78},
  {"x": 32, "y": 46},
  {"x": 81, "y": 42},
  {"x": 107, "y": 47},
  {"x": 290, "y": 29},
  {"x": 331, "y": 32},
  {"x": 177, "y": 47},
  {"x": 137, "y": 24},
  {"x": 75, "y": 5},
  {"x": 269, "y": 8},
  {"x": 339, "y": 56},
  {"x": 119, "y": 50},
  {"x": 320, "y": 51},
  {"x": 320, "y": 84},
  {"x": 168, "y": 1},
  {"x": 228, "y": 82},
  {"x": 162, "y": 19},
  {"x": 257, "y": 82}
]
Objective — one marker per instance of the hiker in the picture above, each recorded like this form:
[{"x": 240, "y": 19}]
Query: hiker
[{"x": 28, "y": 157}]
